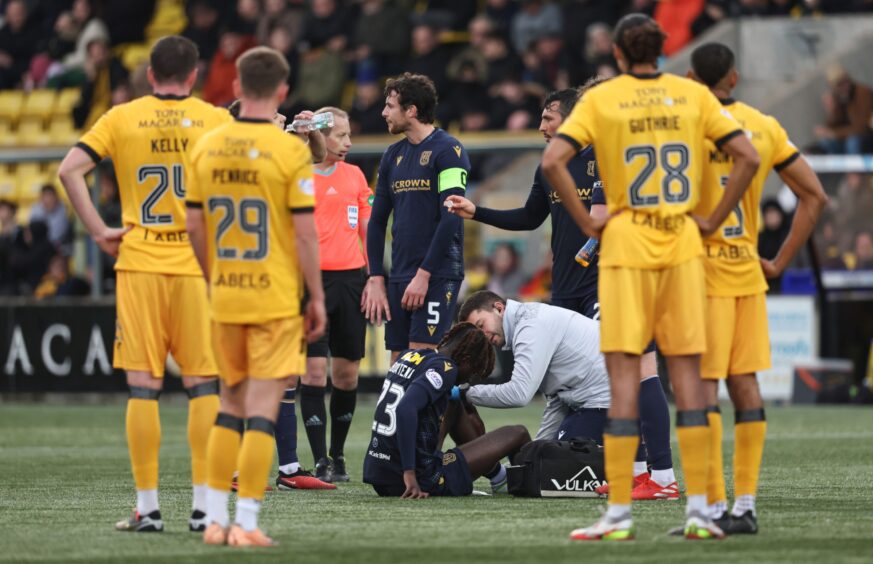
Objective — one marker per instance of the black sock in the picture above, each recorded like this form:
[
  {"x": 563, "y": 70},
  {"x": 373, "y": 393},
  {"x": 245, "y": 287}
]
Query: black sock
[
  {"x": 342, "y": 408},
  {"x": 312, "y": 411}
]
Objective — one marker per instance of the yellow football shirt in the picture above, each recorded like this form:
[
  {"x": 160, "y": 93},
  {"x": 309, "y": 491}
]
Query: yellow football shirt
[
  {"x": 250, "y": 177},
  {"x": 648, "y": 132},
  {"x": 149, "y": 141},
  {"x": 732, "y": 264}
]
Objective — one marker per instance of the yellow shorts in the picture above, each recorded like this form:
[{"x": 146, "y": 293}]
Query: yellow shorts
[
  {"x": 160, "y": 313},
  {"x": 267, "y": 351},
  {"x": 737, "y": 337},
  {"x": 638, "y": 304}
]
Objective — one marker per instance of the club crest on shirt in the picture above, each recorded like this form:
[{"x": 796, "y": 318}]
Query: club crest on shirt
[
  {"x": 425, "y": 158},
  {"x": 397, "y": 160},
  {"x": 591, "y": 168},
  {"x": 449, "y": 458}
]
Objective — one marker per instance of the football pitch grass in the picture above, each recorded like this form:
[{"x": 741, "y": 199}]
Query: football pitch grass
[{"x": 66, "y": 480}]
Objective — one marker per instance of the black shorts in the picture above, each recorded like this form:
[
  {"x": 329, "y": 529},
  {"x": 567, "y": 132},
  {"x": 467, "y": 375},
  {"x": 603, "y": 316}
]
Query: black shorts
[
  {"x": 426, "y": 324},
  {"x": 448, "y": 476},
  {"x": 346, "y": 329},
  {"x": 589, "y": 306},
  {"x": 583, "y": 423}
]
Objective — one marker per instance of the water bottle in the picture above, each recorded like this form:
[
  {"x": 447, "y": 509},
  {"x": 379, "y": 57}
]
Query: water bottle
[
  {"x": 588, "y": 251},
  {"x": 318, "y": 121}
]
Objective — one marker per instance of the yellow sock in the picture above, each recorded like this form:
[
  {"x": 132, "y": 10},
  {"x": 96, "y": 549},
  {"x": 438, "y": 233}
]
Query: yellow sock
[
  {"x": 749, "y": 435},
  {"x": 715, "y": 489},
  {"x": 693, "y": 433},
  {"x": 143, "y": 426},
  {"x": 202, "y": 411},
  {"x": 222, "y": 451},
  {"x": 256, "y": 458},
  {"x": 620, "y": 442}
]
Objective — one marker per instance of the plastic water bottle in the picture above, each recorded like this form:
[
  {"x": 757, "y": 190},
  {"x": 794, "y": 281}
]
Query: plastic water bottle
[
  {"x": 588, "y": 251},
  {"x": 318, "y": 121}
]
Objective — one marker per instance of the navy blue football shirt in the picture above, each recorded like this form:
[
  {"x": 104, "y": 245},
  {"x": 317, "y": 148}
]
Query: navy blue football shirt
[
  {"x": 569, "y": 279},
  {"x": 414, "y": 182},
  {"x": 404, "y": 440}
]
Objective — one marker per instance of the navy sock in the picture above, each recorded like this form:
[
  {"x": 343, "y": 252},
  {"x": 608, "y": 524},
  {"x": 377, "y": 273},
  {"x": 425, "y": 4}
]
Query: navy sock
[
  {"x": 655, "y": 424},
  {"x": 314, "y": 418},
  {"x": 641, "y": 452},
  {"x": 286, "y": 429},
  {"x": 342, "y": 408}
]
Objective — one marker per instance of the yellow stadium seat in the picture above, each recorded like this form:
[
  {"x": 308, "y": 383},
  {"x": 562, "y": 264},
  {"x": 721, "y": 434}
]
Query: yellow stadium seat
[
  {"x": 22, "y": 217},
  {"x": 8, "y": 138},
  {"x": 7, "y": 187},
  {"x": 62, "y": 131},
  {"x": 66, "y": 100},
  {"x": 30, "y": 179},
  {"x": 32, "y": 133},
  {"x": 10, "y": 105},
  {"x": 39, "y": 104}
]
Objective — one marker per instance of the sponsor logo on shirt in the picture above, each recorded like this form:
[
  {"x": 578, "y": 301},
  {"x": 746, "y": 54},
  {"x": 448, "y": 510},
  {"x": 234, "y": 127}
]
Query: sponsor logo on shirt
[
  {"x": 425, "y": 158},
  {"x": 434, "y": 378}
]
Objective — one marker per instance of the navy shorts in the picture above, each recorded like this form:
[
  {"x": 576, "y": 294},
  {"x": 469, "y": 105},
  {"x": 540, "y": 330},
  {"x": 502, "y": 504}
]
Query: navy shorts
[
  {"x": 586, "y": 305},
  {"x": 583, "y": 423},
  {"x": 448, "y": 476},
  {"x": 589, "y": 306},
  {"x": 346, "y": 326},
  {"x": 426, "y": 324}
]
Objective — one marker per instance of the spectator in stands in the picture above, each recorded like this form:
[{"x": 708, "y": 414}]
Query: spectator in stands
[
  {"x": 546, "y": 64},
  {"x": 429, "y": 57},
  {"x": 218, "y": 89},
  {"x": 51, "y": 211},
  {"x": 285, "y": 14},
  {"x": 770, "y": 240},
  {"x": 467, "y": 98},
  {"x": 127, "y": 19},
  {"x": 17, "y": 44},
  {"x": 30, "y": 257},
  {"x": 81, "y": 28},
  {"x": 366, "y": 113},
  {"x": 59, "y": 282},
  {"x": 203, "y": 30},
  {"x": 321, "y": 80},
  {"x": 479, "y": 29},
  {"x": 327, "y": 25},
  {"x": 502, "y": 62},
  {"x": 848, "y": 108},
  {"x": 281, "y": 40},
  {"x": 475, "y": 277},
  {"x": 8, "y": 234},
  {"x": 537, "y": 18},
  {"x": 504, "y": 272},
  {"x": 514, "y": 106},
  {"x": 863, "y": 251},
  {"x": 382, "y": 36},
  {"x": 248, "y": 14},
  {"x": 101, "y": 74},
  {"x": 452, "y": 14},
  {"x": 598, "y": 52},
  {"x": 89, "y": 27},
  {"x": 501, "y": 13}
]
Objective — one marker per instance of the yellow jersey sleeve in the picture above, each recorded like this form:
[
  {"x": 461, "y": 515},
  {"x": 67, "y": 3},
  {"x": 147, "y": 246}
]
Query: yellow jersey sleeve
[
  {"x": 784, "y": 151},
  {"x": 193, "y": 191},
  {"x": 575, "y": 128},
  {"x": 719, "y": 125},
  {"x": 99, "y": 141}
]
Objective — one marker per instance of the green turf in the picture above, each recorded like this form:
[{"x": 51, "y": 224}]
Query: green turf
[{"x": 66, "y": 481}]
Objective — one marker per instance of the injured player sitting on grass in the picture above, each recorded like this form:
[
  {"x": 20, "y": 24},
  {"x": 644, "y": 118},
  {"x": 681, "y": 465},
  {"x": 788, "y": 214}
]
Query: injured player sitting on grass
[{"x": 404, "y": 457}]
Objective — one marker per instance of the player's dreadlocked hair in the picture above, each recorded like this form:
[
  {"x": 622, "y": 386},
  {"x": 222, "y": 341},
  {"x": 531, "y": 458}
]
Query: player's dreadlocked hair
[
  {"x": 468, "y": 346},
  {"x": 640, "y": 38}
]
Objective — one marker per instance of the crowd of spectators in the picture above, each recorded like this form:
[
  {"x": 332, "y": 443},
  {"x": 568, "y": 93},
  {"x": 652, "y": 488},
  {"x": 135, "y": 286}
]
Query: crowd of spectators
[{"x": 492, "y": 60}]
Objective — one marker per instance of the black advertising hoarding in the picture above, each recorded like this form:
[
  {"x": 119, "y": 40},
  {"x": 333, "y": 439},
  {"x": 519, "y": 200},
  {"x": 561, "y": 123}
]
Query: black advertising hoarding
[{"x": 58, "y": 347}]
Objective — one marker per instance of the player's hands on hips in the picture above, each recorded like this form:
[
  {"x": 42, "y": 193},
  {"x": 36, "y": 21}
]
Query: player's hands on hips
[
  {"x": 771, "y": 270},
  {"x": 413, "y": 297},
  {"x": 110, "y": 239},
  {"x": 595, "y": 227},
  {"x": 461, "y": 207},
  {"x": 705, "y": 225},
  {"x": 314, "y": 320},
  {"x": 413, "y": 491},
  {"x": 374, "y": 301}
]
